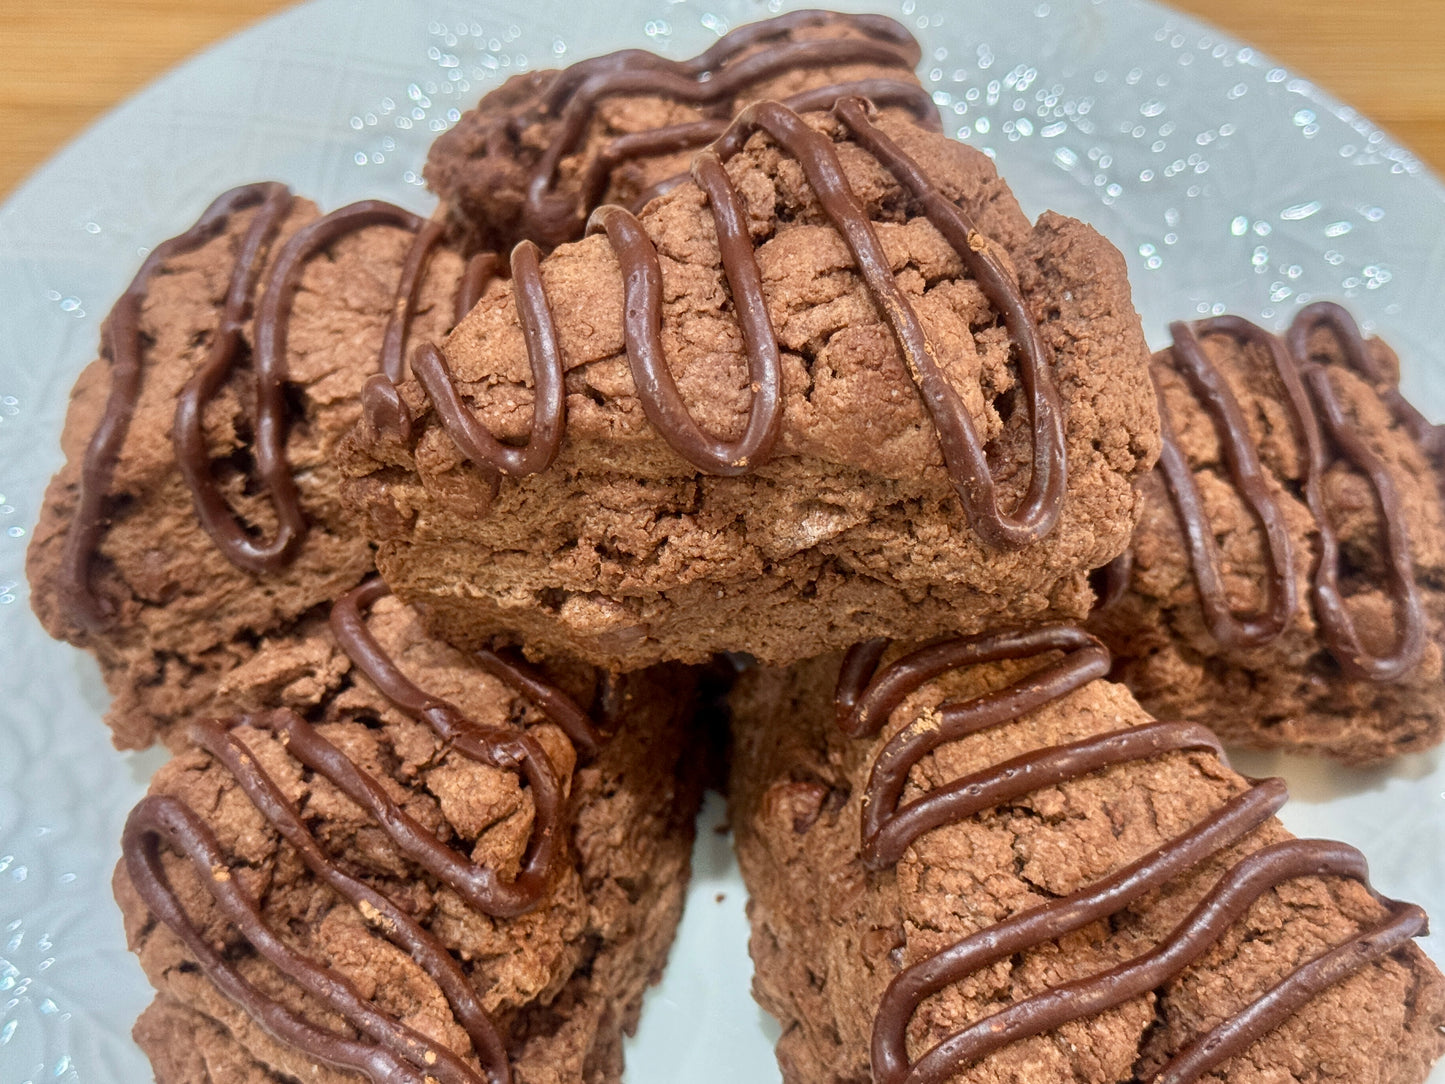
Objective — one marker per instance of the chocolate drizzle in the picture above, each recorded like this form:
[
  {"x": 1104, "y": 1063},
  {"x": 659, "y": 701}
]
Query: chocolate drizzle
[
  {"x": 1241, "y": 458},
  {"x": 388, "y": 1052},
  {"x": 187, "y": 432},
  {"x": 348, "y": 625},
  {"x": 540, "y": 333},
  {"x": 124, "y": 345},
  {"x": 272, "y": 325},
  {"x": 1325, "y": 435},
  {"x": 712, "y": 80},
  {"x": 867, "y": 696},
  {"x": 964, "y": 456},
  {"x": 1335, "y": 320},
  {"x": 477, "y": 275},
  {"x": 881, "y": 92}
]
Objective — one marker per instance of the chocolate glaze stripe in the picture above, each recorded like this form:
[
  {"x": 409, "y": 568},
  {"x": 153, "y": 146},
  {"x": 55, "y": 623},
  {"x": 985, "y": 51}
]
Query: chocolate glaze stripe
[
  {"x": 1039, "y": 509},
  {"x": 1330, "y": 606},
  {"x": 1334, "y": 617},
  {"x": 679, "y": 137},
  {"x": 348, "y": 625},
  {"x": 1316, "y": 414},
  {"x": 864, "y": 701},
  {"x": 187, "y": 431},
  {"x": 1315, "y": 858},
  {"x": 379, "y": 911},
  {"x": 663, "y": 405},
  {"x": 395, "y": 1054},
  {"x": 1225, "y": 904},
  {"x": 642, "y": 274},
  {"x": 1111, "y": 582},
  {"x": 481, "y": 269},
  {"x": 1052, "y": 920},
  {"x": 549, "y": 404},
  {"x": 408, "y": 289},
  {"x": 1334, "y": 319},
  {"x": 121, "y": 343},
  {"x": 559, "y": 708},
  {"x": 963, "y": 453},
  {"x": 497, "y": 747},
  {"x": 866, "y": 698},
  {"x": 574, "y": 95},
  {"x": 888, "y": 829},
  {"x": 596, "y": 71},
  {"x": 479, "y": 886},
  {"x": 272, "y": 325},
  {"x": 1241, "y": 458},
  {"x": 898, "y": 827}
]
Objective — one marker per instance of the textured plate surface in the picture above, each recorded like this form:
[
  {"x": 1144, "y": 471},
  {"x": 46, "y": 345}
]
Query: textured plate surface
[{"x": 1228, "y": 183}]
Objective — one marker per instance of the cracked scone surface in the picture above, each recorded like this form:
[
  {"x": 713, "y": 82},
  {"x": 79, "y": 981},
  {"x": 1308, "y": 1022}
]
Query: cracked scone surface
[
  {"x": 1289, "y": 693},
  {"x": 561, "y": 983},
  {"x": 828, "y": 935},
  {"x": 184, "y": 615},
  {"x": 623, "y": 553}
]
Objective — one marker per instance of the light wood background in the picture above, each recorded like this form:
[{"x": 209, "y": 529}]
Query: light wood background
[{"x": 65, "y": 63}]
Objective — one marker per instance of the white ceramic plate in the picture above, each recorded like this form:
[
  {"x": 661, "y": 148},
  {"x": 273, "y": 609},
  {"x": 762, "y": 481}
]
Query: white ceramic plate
[{"x": 1229, "y": 184}]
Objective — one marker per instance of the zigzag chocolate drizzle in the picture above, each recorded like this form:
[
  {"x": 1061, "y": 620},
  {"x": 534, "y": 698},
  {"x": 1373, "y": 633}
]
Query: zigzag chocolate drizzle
[
  {"x": 480, "y": 271},
  {"x": 881, "y": 92},
  {"x": 865, "y": 699},
  {"x": 708, "y": 79},
  {"x": 389, "y": 1052},
  {"x": 348, "y": 625},
  {"x": 1325, "y": 434},
  {"x": 272, "y": 326},
  {"x": 963, "y": 452},
  {"x": 123, "y": 344},
  {"x": 395, "y": 1053},
  {"x": 1333, "y": 318},
  {"x": 1242, "y": 459}
]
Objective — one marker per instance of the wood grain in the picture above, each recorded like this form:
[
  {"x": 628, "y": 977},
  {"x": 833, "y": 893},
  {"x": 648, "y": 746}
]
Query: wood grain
[{"x": 67, "y": 63}]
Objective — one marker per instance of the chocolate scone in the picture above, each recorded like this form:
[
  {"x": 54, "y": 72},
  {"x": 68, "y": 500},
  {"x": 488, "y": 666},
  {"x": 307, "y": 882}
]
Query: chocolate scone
[
  {"x": 979, "y": 861},
  {"x": 537, "y": 154},
  {"x": 405, "y": 863},
  {"x": 837, "y": 383},
  {"x": 199, "y": 505},
  {"x": 1286, "y": 584}
]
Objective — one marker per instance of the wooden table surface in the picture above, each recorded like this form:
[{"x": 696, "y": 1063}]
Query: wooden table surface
[{"x": 67, "y": 63}]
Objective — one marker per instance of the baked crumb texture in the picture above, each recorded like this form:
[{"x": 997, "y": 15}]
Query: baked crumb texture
[
  {"x": 407, "y": 863},
  {"x": 1286, "y": 585},
  {"x": 981, "y": 862},
  {"x": 536, "y": 155},
  {"x": 228, "y": 371},
  {"x": 628, "y": 527}
]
